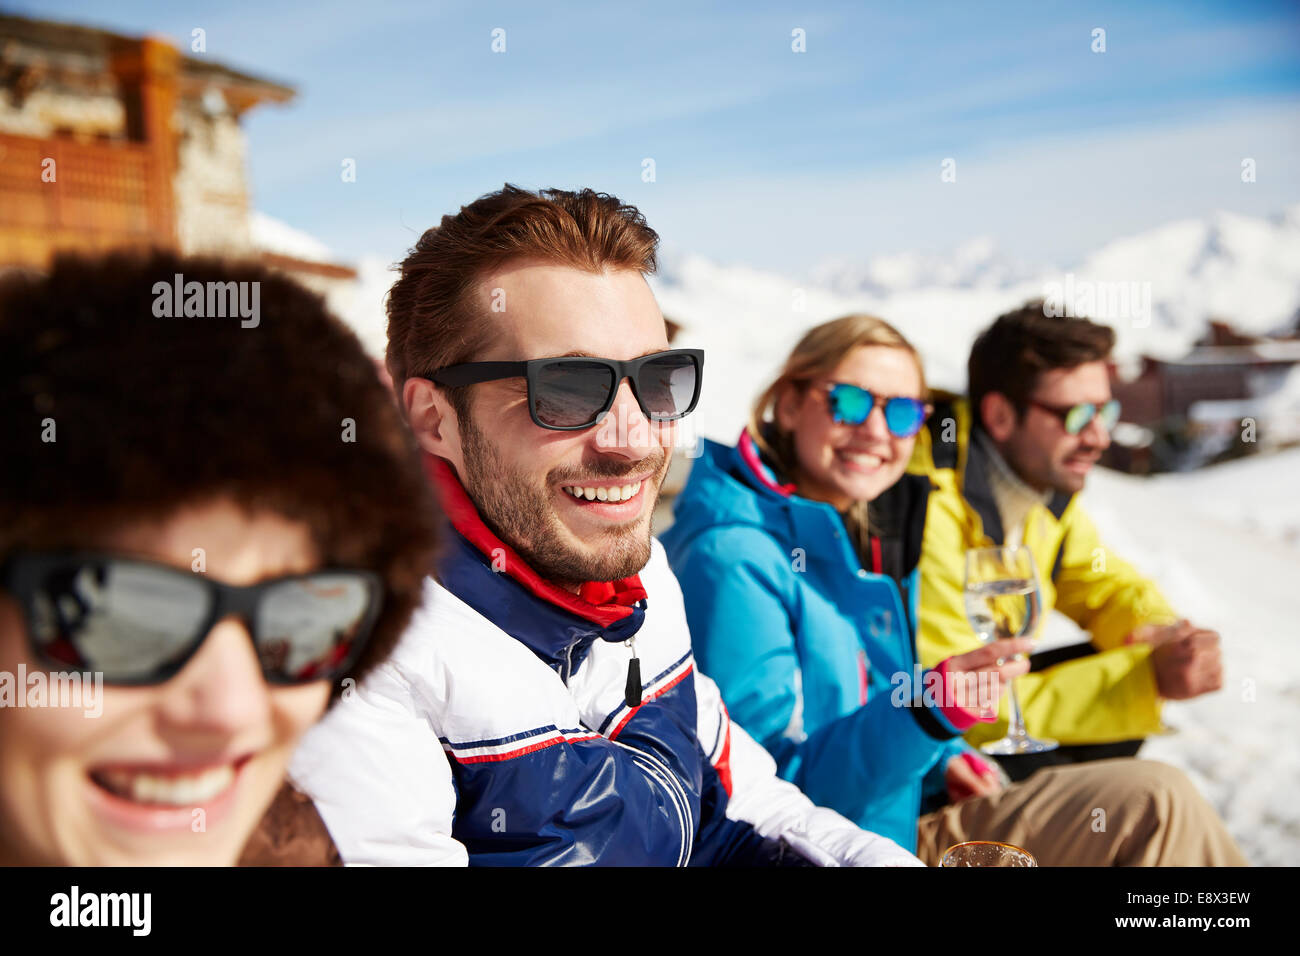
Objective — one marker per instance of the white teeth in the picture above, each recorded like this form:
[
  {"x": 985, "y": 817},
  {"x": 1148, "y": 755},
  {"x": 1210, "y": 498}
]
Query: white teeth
[
  {"x": 180, "y": 791},
  {"x": 868, "y": 461},
  {"x": 611, "y": 493}
]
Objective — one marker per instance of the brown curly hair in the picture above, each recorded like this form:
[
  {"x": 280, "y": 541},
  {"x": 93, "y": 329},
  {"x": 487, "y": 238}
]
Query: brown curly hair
[{"x": 154, "y": 414}]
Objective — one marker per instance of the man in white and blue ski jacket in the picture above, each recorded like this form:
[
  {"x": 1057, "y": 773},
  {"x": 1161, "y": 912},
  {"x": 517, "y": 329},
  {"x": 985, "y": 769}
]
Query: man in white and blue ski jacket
[
  {"x": 544, "y": 706},
  {"x": 498, "y": 734}
]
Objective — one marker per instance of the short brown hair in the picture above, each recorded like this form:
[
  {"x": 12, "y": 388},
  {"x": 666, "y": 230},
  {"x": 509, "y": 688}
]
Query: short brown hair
[
  {"x": 432, "y": 322},
  {"x": 1010, "y": 354},
  {"x": 155, "y": 414}
]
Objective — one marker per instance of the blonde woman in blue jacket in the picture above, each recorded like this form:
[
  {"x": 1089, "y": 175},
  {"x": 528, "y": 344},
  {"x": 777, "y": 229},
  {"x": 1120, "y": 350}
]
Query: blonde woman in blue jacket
[{"x": 797, "y": 554}]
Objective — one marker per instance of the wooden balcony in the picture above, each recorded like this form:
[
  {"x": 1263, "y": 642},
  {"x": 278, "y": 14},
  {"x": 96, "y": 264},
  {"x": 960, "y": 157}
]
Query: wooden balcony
[{"x": 103, "y": 195}]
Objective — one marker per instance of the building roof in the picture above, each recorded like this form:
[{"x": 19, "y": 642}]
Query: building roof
[
  {"x": 1278, "y": 350},
  {"x": 81, "y": 48}
]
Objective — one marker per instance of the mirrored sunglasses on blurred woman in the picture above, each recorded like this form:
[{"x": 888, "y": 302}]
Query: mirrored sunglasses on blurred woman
[{"x": 194, "y": 549}]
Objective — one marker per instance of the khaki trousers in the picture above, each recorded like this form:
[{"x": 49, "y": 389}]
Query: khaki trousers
[{"x": 1123, "y": 812}]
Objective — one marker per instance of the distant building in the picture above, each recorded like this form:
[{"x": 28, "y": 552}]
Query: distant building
[
  {"x": 109, "y": 141},
  {"x": 1230, "y": 391}
]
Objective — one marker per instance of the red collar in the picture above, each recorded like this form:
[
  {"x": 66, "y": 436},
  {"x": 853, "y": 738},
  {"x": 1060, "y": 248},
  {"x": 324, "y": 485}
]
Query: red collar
[{"x": 601, "y": 602}]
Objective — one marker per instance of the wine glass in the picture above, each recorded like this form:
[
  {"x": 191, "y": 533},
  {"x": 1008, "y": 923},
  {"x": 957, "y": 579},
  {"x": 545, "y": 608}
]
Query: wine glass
[
  {"x": 1002, "y": 600},
  {"x": 986, "y": 853}
]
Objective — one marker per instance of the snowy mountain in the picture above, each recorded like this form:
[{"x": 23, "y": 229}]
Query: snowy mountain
[
  {"x": 973, "y": 264},
  {"x": 1157, "y": 289}
]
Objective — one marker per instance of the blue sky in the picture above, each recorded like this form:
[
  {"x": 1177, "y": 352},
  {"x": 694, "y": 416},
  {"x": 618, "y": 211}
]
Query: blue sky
[{"x": 762, "y": 155}]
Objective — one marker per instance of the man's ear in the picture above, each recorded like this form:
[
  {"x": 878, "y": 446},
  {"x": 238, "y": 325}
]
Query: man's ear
[
  {"x": 999, "y": 416},
  {"x": 432, "y": 419}
]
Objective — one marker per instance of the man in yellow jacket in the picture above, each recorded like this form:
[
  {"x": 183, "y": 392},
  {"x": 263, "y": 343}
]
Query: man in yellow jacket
[{"x": 1007, "y": 466}]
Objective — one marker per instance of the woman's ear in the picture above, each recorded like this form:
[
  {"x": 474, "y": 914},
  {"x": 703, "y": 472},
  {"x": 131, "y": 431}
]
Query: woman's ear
[{"x": 785, "y": 410}]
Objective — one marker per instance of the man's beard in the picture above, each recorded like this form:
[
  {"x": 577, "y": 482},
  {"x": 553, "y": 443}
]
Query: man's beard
[
  {"x": 523, "y": 516},
  {"x": 1068, "y": 483}
]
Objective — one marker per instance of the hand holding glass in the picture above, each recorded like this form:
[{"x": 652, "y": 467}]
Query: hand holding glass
[{"x": 1002, "y": 600}]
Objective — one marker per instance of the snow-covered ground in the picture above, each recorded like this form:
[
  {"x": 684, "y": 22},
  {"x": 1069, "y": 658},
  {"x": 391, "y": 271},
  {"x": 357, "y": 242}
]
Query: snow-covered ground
[{"x": 1224, "y": 545}]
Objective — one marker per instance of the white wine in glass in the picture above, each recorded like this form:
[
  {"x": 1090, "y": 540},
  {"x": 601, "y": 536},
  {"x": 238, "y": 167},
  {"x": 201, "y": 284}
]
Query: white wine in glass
[{"x": 1002, "y": 600}]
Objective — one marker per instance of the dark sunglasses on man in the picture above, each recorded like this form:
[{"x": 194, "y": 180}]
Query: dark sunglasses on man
[
  {"x": 570, "y": 393},
  {"x": 1075, "y": 418},
  {"x": 138, "y": 622}
]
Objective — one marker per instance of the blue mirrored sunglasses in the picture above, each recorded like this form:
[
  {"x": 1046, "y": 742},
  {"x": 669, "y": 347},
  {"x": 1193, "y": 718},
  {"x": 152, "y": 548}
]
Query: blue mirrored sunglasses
[{"x": 851, "y": 405}]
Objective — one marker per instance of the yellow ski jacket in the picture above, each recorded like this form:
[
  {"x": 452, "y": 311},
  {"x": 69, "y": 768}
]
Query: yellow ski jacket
[{"x": 1101, "y": 697}]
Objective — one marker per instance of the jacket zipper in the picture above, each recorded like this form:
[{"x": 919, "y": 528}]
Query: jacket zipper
[{"x": 632, "y": 689}]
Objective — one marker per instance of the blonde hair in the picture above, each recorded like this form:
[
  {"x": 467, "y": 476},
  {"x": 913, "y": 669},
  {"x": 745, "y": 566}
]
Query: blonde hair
[{"x": 820, "y": 350}]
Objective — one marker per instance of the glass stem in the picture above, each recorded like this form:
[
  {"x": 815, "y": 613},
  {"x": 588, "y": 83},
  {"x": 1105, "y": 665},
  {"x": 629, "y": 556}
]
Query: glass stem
[{"x": 1016, "y": 722}]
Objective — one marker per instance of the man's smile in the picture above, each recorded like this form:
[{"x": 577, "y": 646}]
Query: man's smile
[
  {"x": 603, "y": 492},
  {"x": 616, "y": 500}
]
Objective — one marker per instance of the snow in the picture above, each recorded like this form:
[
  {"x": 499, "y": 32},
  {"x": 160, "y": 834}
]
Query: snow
[
  {"x": 363, "y": 309},
  {"x": 1223, "y": 544},
  {"x": 1231, "y": 266},
  {"x": 273, "y": 235}
]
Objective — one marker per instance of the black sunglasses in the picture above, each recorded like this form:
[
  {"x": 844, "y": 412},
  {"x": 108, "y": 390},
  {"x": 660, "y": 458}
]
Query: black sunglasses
[
  {"x": 570, "y": 393},
  {"x": 139, "y": 622}
]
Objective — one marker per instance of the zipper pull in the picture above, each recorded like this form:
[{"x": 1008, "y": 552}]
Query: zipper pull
[{"x": 632, "y": 692}]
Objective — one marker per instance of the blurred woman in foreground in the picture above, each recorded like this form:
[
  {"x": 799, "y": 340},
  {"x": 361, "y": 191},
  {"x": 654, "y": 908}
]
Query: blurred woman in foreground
[
  {"x": 797, "y": 553},
  {"x": 208, "y": 527}
]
